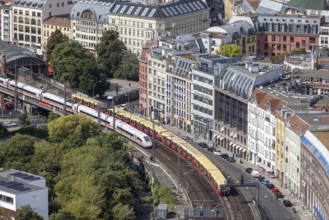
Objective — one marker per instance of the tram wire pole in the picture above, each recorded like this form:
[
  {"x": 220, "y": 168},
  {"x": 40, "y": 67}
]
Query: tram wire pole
[
  {"x": 64, "y": 97},
  {"x": 16, "y": 90},
  {"x": 113, "y": 114},
  {"x": 153, "y": 142}
]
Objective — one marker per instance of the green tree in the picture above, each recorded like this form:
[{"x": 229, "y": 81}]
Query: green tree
[
  {"x": 129, "y": 67},
  {"x": 23, "y": 120},
  {"x": 62, "y": 215},
  {"x": 17, "y": 152},
  {"x": 110, "y": 51},
  {"x": 229, "y": 50},
  {"x": 73, "y": 65},
  {"x": 26, "y": 212},
  {"x": 56, "y": 38},
  {"x": 72, "y": 130},
  {"x": 123, "y": 212}
]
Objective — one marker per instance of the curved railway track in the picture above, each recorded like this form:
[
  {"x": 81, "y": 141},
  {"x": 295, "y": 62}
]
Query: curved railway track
[{"x": 200, "y": 191}]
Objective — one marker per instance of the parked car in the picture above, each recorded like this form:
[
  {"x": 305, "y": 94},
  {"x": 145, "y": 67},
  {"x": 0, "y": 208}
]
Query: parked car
[
  {"x": 203, "y": 145},
  {"x": 270, "y": 186},
  {"x": 255, "y": 174},
  {"x": 224, "y": 156},
  {"x": 231, "y": 159},
  {"x": 211, "y": 149},
  {"x": 185, "y": 137},
  {"x": 265, "y": 182},
  {"x": 260, "y": 178},
  {"x": 218, "y": 153},
  {"x": 123, "y": 106},
  {"x": 275, "y": 190},
  {"x": 279, "y": 194},
  {"x": 249, "y": 170},
  {"x": 287, "y": 203},
  {"x": 9, "y": 124}
]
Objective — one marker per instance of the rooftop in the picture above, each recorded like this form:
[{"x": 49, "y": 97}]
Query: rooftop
[
  {"x": 307, "y": 4},
  {"x": 30, "y": 3},
  {"x": 323, "y": 137},
  {"x": 18, "y": 182},
  {"x": 63, "y": 22}
]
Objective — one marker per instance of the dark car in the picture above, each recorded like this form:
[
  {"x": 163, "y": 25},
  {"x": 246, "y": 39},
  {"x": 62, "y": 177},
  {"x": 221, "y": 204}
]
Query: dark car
[
  {"x": 185, "y": 137},
  {"x": 287, "y": 203},
  {"x": 203, "y": 145},
  {"x": 224, "y": 156},
  {"x": 211, "y": 149},
  {"x": 270, "y": 186},
  {"x": 249, "y": 170},
  {"x": 278, "y": 194},
  {"x": 231, "y": 159},
  {"x": 261, "y": 178}
]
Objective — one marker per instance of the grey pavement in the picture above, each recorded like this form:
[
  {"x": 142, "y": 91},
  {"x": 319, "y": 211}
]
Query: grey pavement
[{"x": 302, "y": 213}]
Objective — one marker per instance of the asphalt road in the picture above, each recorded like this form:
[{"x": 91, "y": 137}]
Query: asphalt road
[{"x": 269, "y": 207}]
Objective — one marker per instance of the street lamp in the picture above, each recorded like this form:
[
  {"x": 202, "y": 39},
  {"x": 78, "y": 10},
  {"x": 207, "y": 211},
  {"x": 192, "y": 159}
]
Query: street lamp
[{"x": 94, "y": 88}]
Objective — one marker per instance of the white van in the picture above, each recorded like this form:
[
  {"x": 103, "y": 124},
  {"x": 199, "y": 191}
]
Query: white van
[
  {"x": 123, "y": 106},
  {"x": 255, "y": 174}
]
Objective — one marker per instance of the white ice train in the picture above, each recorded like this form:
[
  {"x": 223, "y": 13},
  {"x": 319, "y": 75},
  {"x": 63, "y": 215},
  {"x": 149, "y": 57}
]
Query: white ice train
[
  {"x": 121, "y": 127},
  {"x": 106, "y": 120}
]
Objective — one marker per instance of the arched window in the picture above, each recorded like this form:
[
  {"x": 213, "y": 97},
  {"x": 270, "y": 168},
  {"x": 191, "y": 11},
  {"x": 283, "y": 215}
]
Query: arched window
[
  {"x": 27, "y": 21},
  {"x": 33, "y": 21}
]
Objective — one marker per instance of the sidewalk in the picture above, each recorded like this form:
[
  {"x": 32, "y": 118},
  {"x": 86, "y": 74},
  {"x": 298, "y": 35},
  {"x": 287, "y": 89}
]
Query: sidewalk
[{"x": 303, "y": 213}]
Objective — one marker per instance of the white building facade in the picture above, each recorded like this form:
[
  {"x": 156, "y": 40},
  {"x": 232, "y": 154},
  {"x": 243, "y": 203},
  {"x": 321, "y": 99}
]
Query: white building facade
[
  {"x": 292, "y": 158},
  {"x": 28, "y": 17},
  {"x": 6, "y": 22},
  {"x": 19, "y": 189},
  {"x": 261, "y": 136},
  {"x": 89, "y": 19}
]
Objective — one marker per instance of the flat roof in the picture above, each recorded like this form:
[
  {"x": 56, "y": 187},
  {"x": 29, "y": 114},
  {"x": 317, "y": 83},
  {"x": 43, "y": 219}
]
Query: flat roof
[
  {"x": 318, "y": 121},
  {"x": 323, "y": 137},
  {"x": 17, "y": 182}
]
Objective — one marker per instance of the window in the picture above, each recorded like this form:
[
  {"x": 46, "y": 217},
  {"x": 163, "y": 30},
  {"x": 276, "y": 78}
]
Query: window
[
  {"x": 292, "y": 39},
  {"x": 49, "y": 5},
  {"x": 303, "y": 42},
  {"x": 297, "y": 45},
  {"x": 62, "y": 4}
]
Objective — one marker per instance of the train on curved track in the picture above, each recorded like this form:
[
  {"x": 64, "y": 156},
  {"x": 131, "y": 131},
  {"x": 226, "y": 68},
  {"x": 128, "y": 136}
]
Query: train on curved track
[{"x": 131, "y": 126}]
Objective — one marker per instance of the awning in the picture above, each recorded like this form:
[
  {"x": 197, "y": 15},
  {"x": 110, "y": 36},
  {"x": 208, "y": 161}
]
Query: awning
[
  {"x": 215, "y": 135},
  {"x": 244, "y": 150},
  {"x": 230, "y": 143},
  {"x": 234, "y": 135},
  {"x": 239, "y": 147},
  {"x": 218, "y": 136},
  {"x": 234, "y": 145},
  {"x": 231, "y": 133},
  {"x": 222, "y": 129},
  {"x": 221, "y": 138}
]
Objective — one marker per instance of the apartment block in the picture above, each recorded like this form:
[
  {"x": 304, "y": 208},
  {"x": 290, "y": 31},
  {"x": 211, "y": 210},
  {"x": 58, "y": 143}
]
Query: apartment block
[
  {"x": 314, "y": 187},
  {"x": 280, "y": 34},
  {"x": 56, "y": 23},
  {"x": 233, "y": 88},
  {"x": 89, "y": 19},
  {"x": 6, "y": 20},
  {"x": 28, "y": 17},
  {"x": 18, "y": 189},
  {"x": 137, "y": 23}
]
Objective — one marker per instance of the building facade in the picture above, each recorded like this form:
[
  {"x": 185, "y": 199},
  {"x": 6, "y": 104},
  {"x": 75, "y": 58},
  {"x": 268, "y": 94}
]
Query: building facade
[
  {"x": 281, "y": 34},
  {"x": 56, "y": 23},
  {"x": 28, "y": 17},
  {"x": 314, "y": 186},
  {"x": 89, "y": 19},
  {"x": 19, "y": 189},
  {"x": 137, "y": 23},
  {"x": 6, "y": 21}
]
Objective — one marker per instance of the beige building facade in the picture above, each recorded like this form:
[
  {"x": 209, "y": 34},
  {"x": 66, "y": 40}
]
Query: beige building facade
[
  {"x": 52, "y": 24},
  {"x": 137, "y": 23}
]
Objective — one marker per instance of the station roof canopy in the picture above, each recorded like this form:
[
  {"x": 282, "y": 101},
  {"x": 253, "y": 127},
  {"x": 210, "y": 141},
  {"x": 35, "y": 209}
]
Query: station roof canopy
[{"x": 18, "y": 55}]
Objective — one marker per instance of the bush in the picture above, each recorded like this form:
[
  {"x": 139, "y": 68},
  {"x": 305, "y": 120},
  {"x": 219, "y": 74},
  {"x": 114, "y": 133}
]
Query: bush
[{"x": 35, "y": 132}]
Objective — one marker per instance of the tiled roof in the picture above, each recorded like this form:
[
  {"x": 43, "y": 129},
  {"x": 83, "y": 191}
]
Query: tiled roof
[
  {"x": 157, "y": 11},
  {"x": 63, "y": 22},
  {"x": 30, "y": 3}
]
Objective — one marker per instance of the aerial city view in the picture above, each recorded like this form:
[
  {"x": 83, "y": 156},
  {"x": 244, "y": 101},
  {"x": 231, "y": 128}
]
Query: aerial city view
[{"x": 164, "y": 109}]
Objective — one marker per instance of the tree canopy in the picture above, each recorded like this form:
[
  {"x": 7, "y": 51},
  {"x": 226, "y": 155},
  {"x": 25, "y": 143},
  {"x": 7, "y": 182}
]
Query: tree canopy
[
  {"x": 26, "y": 212},
  {"x": 78, "y": 68},
  {"x": 229, "y": 50},
  {"x": 110, "y": 51},
  {"x": 129, "y": 67},
  {"x": 56, "y": 38},
  {"x": 88, "y": 173}
]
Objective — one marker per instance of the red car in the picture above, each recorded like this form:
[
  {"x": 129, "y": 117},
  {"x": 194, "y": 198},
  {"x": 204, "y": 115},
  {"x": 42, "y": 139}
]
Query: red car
[{"x": 275, "y": 190}]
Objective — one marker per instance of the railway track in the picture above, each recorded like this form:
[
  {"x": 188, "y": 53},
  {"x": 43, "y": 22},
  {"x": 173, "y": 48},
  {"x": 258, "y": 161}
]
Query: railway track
[{"x": 200, "y": 191}]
